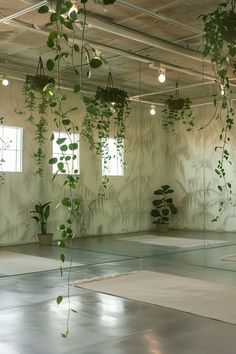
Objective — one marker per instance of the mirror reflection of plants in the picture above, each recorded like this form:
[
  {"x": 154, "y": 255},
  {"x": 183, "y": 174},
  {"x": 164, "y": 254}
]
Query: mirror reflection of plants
[
  {"x": 220, "y": 45},
  {"x": 163, "y": 206}
]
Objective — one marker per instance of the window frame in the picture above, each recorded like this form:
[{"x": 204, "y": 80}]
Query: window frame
[{"x": 18, "y": 150}]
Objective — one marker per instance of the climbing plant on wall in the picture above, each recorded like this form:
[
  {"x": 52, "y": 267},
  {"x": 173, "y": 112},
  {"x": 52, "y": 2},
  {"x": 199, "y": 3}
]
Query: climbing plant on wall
[{"x": 220, "y": 45}]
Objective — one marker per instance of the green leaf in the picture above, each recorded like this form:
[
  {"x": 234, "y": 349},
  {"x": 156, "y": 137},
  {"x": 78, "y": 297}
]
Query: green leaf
[
  {"x": 62, "y": 257},
  {"x": 73, "y": 146},
  {"x": 95, "y": 63},
  {"x": 50, "y": 64},
  {"x": 66, "y": 121},
  {"x": 43, "y": 9},
  {"x": 59, "y": 299},
  {"x": 52, "y": 161},
  {"x": 66, "y": 202},
  {"x": 63, "y": 147},
  {"x": 60, "y": 140},
  {"x": 76, "y": 47},
  {"x": 60, "y": 166},
  {"x": 77, "y": 88}
]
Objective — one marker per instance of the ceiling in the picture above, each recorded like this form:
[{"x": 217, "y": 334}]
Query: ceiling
[{"x": 132, "y": 34}]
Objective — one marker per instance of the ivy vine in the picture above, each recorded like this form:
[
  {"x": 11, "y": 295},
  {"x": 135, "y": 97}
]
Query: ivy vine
[
  {"x": 220, "y": 45},
  {"x": 63, "y": 44}
]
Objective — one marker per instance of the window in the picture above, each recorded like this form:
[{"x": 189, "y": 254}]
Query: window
[
  {"x": 115, "y": 165},
  {"x": 10, "y": 149},
  {"x": 70, "y": 158}
]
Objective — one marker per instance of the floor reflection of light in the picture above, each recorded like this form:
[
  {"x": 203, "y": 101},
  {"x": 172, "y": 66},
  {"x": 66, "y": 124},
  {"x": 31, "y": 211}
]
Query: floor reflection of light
[
  {"x": 153, "y": 345},
  {"x": 62, "y": 308},
  {"x": 111, "y": 304},
  {"x": 108, "y": 320},
  {"x": 8, "y": 349}
]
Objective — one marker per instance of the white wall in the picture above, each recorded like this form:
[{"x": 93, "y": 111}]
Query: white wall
[{"x": 127, "y": 205}]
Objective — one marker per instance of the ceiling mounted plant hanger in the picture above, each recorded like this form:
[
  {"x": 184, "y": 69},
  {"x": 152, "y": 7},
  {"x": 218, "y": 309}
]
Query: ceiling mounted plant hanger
[
  {"x": 176, "y": 103},
  {"x": 178, "y": 109},
  {"x": 40, "y": 80}
]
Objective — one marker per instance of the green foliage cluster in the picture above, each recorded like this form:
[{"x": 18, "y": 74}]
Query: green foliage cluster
[
  {"x": 37, "y": 105},
  {"x": 64, "y": 47},
  {"x": 178, "y": 109},
  {"x": 220, "y": 45},
  {"x": 41, "y": 214},
  {"x": 163, "y": 206}
]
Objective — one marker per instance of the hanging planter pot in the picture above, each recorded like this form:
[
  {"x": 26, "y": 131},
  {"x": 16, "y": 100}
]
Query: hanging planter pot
[
  {"x": 39, "y": 80},
  {"x": 175, "y": 102},
  {"x": 112, "y": 94},
  {"x": 178, "y": 109}
]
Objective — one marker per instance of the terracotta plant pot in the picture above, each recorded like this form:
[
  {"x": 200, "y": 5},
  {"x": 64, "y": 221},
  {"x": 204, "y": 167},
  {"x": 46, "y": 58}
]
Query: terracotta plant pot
[{"x": 45, "y": 240}]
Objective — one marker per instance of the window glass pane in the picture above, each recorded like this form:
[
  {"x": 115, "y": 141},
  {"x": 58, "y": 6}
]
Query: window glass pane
[{"x": 11, "y": 148}]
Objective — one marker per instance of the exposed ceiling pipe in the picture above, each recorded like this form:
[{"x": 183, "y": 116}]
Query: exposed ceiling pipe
[
  {"x": 23, "y": 12},
  {"x": 120, "y": 52},
  {"x": 144, "y": 38},
  {"x": 173, "y": 89},
  {"x": 158, "y": 16}
]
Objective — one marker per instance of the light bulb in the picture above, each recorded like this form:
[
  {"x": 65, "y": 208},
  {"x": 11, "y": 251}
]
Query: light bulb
[
  {"x": 162, "y": 77},
  {"x": 153, "y": 110},
  {"x": 5, "y": 81},
  {"x": 222, "y": 90}
]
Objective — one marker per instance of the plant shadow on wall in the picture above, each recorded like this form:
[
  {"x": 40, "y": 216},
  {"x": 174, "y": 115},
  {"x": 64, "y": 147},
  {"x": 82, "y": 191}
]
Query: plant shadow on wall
[
  {"x": 64, "y": 21},
  {"x": 220, "y": 45}
]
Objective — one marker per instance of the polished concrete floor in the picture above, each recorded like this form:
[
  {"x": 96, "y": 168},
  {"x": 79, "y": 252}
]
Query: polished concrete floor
[{"x": 31, "y": 321}]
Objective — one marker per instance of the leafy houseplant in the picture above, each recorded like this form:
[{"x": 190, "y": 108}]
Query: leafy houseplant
[
  {"x": 178, "y": 109},
  {"x": 37, "y": 104},
  {"x": 106, "y": 112},
  {"x": 41, "y": 214},
  {"x": 220, "y": 45},
  {"x": 164, "y": 206}
]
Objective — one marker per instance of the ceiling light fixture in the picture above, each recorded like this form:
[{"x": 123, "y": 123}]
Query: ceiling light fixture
[
  {"x": 222, "y": 90},
  {"x": 153, "y": 110},
  {"x": 5, "y": 81},
  {"x": 74, "y": 8},
  {"x": 162, "y": 74}
]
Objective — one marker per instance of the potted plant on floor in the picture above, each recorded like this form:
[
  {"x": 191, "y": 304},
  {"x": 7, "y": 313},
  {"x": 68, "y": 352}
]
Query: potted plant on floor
[
  {"x": 41, "y": 214},
  {"x": 163, "y": 207}
]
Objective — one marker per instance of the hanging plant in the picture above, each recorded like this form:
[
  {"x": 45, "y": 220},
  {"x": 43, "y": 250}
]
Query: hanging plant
[
  {"x": 220, "y": 45},
  {"x": 39, "y": 80},
  {"x": 63, "y": 42},
  {"x": 106, "y": 114},
  {"x": 2, "y": 143},
  {"x": 37, "y": 103},
  {"x": 178, "y": 109}
]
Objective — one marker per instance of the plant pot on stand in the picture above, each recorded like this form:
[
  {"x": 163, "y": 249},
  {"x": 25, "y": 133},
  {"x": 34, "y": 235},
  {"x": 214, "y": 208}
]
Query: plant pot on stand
[{"x": 45, "y": 240}]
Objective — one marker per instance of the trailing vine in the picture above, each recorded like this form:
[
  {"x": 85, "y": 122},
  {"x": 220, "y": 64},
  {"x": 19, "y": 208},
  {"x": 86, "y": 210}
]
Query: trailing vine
[
  {"x": 220, "y": 45},
  {"x": 62, "y": 41},
  {"x": 106, "y": 112},
  {"x": 37, "y": 104},
  {"x": 2, "y": 174},
  {"x": 178, "y": 110}
]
